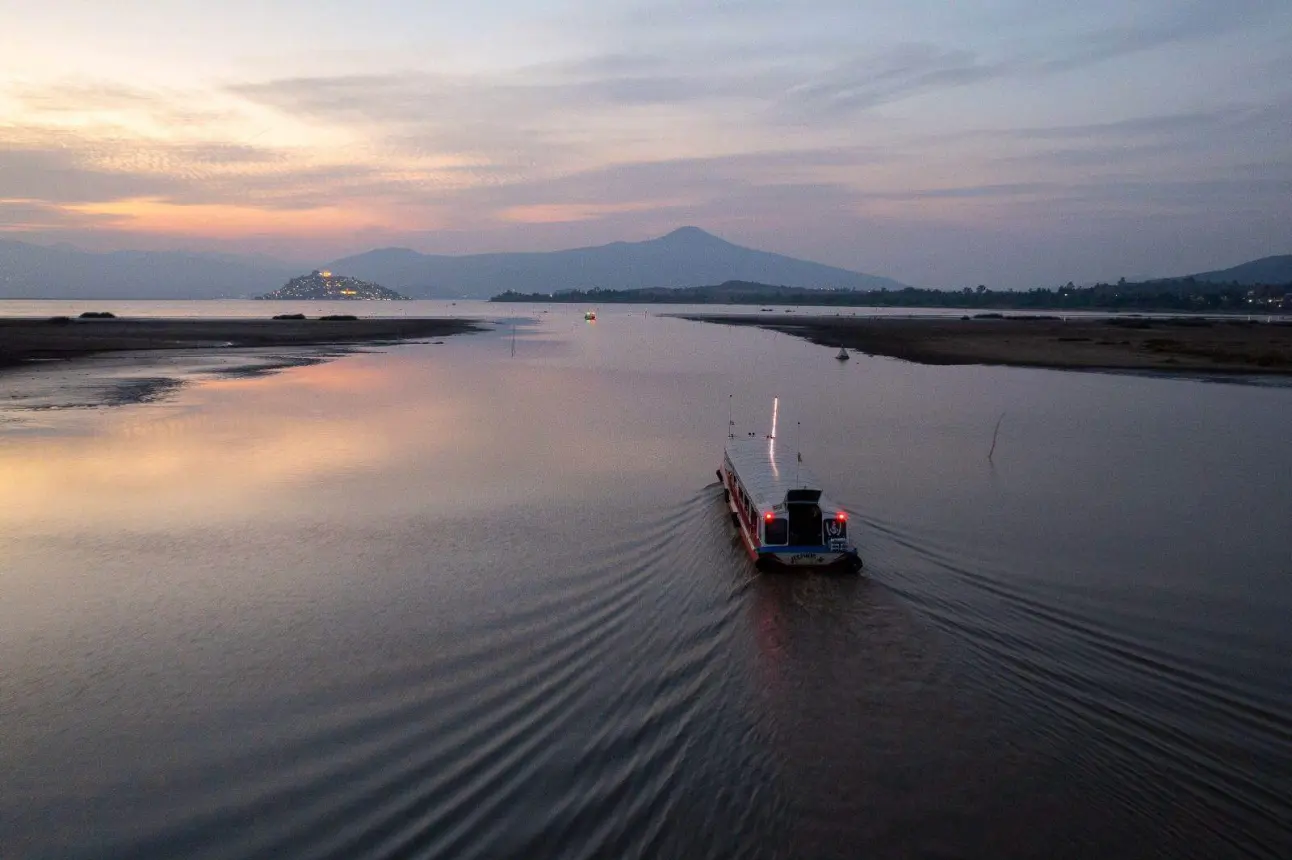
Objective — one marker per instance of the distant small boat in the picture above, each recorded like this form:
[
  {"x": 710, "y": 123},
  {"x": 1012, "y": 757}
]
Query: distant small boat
[
  {"x": 590, "y": 316},
  {"x": 843, "y": 354}
]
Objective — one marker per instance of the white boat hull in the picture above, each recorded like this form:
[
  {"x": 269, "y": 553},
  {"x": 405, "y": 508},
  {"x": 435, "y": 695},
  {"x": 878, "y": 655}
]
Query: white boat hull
[
  {"x": 773, "y": 502},
  {"x": 805, "y": 558}
]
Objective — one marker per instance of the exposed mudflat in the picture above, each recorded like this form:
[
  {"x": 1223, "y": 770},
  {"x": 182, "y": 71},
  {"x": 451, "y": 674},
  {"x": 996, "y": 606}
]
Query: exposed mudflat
[
  {"x": 25, "y": 339},
  {"x": 1188, "y": 345},
  {"x": 89, "y": 364}
]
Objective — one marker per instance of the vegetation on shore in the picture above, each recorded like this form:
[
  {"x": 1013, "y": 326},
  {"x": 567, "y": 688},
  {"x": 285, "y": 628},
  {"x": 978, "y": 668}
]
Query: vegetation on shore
[{"x": 1182, "y": 294}]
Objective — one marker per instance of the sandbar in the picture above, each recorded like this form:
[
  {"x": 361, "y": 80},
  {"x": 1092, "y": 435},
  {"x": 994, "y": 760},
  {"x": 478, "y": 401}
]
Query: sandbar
[
  {"x": 22, "y": 340},
  {"x": 1176, "y": 345}
]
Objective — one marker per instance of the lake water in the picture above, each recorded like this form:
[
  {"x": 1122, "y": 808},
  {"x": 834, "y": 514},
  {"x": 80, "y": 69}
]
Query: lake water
[{"x": 443, "y": 601}]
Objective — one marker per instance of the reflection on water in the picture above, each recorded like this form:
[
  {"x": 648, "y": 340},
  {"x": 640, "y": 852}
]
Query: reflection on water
[{"x": 443, "y": 601}]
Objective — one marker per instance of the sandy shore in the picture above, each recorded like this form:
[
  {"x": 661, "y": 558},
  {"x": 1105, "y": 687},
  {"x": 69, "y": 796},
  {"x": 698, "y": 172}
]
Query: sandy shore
[
  {"x": 25, "y": 339},
  {"x": 1126, "y": 343}
]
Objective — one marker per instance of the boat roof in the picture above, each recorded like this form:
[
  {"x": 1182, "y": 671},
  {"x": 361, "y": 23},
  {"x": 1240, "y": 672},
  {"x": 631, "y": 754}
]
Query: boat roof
[{"x": 767, "y": 470}]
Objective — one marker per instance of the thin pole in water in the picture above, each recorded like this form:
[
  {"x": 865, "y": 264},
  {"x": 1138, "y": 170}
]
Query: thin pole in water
[
  {"x": 994, "y": 434},
  {"x": 731, "y": 421},
  {"x": 513, "y": 340}
]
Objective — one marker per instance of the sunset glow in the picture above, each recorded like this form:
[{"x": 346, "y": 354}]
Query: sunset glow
[
  {"x": 1034, "y": 142},
  {"x": 221, "y": 220}
]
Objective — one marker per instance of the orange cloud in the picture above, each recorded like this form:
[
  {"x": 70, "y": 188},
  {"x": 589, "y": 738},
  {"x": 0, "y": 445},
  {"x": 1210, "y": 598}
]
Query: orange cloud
[
  {"x": 227, "y": 220},
  {"x": 556, "y": 213}
]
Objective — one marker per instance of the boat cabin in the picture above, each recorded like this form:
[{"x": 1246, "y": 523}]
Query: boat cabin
[{"x": 780, "y": 509}]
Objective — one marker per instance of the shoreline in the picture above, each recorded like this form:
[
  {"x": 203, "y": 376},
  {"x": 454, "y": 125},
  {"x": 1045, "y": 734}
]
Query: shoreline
[
  {"x": 1176, "y": 345},
  {"x": 23, "y": 340}
]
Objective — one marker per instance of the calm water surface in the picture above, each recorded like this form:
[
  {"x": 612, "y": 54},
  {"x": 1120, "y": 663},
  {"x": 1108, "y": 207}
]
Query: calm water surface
[{"x": 439, "y": 601}]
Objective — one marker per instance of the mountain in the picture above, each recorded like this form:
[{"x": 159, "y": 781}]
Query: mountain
[
  {"x": 327, "y": 286},
  {"x": 1267, "y": 270},
  {"x": 687, "y": 257},
  {"x": 727, "y": 293},
  {"x": 64, "y": 272}
]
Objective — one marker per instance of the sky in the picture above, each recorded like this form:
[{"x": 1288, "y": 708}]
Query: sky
[{"x": 1015, "y": 143}]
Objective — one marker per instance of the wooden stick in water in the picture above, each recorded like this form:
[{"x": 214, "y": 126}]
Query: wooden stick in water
[{"x": 994, "y": 434}]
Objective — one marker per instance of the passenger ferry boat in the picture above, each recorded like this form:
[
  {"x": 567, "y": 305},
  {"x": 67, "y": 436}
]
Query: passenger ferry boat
[{"x": 785, "y": 521}]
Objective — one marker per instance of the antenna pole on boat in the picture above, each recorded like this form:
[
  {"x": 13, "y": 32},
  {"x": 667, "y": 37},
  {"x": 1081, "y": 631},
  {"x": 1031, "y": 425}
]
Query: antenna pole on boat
[{"x": 776, "y": 403}]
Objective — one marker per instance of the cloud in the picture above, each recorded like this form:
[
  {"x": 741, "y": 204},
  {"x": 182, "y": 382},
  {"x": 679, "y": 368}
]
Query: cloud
[
  {"x": 1168, "y": 25},
  {"x": 26, "y": 216},
  {"x": 1200, "y": 194},
  {"x": 697, "y": 178},
  {"x": 425, "y": 114},
  {"x": 868, "y": 81},
  {"x": 1101, "y": 157},
  {"x": 1198, "y": 143},
  {"x": 225, "y": 154},
  {"x": 751, "y": 116},
  {"x": 560, "y": 103},
  {"x": 540, "y": 116},
  {"x": 59, "y": 176},
  {"x": 970, "y": 192},
  {"x": 97, "y": 105},
  {"x": 180, "y": 174},
  {"x": 1172, "y": 126},
  {"x": 423, "y": 98}
]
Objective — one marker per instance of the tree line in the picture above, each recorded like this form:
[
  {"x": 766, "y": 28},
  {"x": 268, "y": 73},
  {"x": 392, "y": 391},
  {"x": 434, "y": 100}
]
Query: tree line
[{"x": 1183, "y": 294}]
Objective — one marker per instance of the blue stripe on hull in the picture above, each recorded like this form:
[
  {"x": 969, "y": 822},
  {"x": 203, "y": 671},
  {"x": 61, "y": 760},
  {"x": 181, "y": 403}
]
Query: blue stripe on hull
[{"x": 777, "y": 548}]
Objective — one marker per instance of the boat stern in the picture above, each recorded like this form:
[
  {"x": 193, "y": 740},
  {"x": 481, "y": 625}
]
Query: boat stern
[{"x": 807, "y": 558}]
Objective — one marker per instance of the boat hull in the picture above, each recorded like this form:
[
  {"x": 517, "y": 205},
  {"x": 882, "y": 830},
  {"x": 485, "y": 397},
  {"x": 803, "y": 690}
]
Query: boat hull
[
  {"x": 806, "y": 559},
  {"x": 787, "y": 558}
]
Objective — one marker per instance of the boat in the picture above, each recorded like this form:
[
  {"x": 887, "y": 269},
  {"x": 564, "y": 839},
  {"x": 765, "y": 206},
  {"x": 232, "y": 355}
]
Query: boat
[
  {"x": 843, "y": 354},
  {"x": 784, "y": 519},
  {"x": 590, "y": 316}
]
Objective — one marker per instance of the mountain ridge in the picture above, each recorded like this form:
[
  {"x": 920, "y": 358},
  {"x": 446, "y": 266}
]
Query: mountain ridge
[
  {"x": 685, "y": 257},
  {"x": 30, "y": 271},
  {"x": 1276, "y": 269}
]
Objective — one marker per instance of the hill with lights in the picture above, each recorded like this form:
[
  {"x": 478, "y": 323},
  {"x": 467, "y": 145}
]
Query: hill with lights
[{"x": 325, "y": 285}]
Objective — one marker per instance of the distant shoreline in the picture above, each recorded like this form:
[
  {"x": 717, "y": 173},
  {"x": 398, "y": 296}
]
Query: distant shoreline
[
  {"x": 1176, "y": 296},
  {"x": 23, "y": 340},
  {"x": 1174, "y": 345}
]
